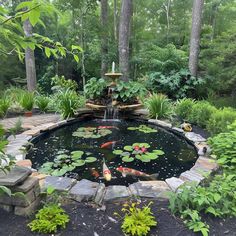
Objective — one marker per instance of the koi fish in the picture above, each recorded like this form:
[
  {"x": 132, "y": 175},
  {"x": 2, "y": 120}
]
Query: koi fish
[
  {"x": 107, "y": 144},
  {"x": 108, "y": 127},
  {"x": 128, "y": 171},
  {"x": 106, "y": 172},
  {"x": 94, "y": 173}
]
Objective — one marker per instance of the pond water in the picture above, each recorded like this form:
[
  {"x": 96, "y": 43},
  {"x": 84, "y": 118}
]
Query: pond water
[{"x": 173, "y": 157}]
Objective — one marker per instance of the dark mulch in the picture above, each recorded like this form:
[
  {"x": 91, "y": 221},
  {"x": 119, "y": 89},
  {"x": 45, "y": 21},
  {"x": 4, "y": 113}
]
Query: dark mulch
[{"x": 85, "y": 220}]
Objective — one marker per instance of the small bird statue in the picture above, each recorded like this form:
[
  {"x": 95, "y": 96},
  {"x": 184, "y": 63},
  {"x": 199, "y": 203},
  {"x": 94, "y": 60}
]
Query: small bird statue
[{"x": 186, "y": 127}]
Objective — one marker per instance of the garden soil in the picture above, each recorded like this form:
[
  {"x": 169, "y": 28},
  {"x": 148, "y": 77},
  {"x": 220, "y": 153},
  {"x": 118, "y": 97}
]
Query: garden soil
[{"x": 87, "y": 220}]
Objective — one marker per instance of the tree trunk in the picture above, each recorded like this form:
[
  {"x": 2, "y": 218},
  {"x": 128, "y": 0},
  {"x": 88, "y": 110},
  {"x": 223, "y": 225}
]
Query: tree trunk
[
  {"x": 104, "y": 37},
  {"x": 195, "y": 36},
  {"x": 115, "y": 21},
  {"x": 124, "y": 35},
  {"x": 29, "y": 59}
]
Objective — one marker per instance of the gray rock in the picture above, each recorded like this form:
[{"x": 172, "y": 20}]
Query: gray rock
[
  {"x": 27, "y": 185},
  {"x": 161, "y": 123},
  {"x": 59, "y": 183},
  {"x": 194, "y": 137},
  {"x": 149, "y": 189},
  {"x": 178, "y": 130},
  {"x": 174, "y": 183},
  {"x": 116, "y": 192},
  {"x": 84, "y": 190},
  {"x": 191, "y": 176},
  {"x": 17, "y": 175},
  {"x": 100, "y": 194},
  {"x": 7, "y": 208}
]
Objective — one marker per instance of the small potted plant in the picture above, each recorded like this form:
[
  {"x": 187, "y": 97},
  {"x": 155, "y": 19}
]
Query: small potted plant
[{"x": 27, "y": 103}]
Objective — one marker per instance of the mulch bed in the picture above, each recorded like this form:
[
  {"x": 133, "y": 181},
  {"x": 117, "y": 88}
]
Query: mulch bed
[{"x": 87, "y": 220}]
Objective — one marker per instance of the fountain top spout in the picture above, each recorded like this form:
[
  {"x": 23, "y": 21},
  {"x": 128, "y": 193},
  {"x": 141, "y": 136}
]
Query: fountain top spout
[{"x": 113, "y": 75}]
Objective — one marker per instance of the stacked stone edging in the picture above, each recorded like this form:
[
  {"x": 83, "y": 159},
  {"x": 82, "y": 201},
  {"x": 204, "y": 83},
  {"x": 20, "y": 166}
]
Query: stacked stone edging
[{"x": 86, "y": 190}]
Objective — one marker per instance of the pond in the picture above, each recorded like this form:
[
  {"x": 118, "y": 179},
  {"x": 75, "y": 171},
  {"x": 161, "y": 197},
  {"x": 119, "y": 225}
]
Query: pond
[{"x": 79, "y": 150}]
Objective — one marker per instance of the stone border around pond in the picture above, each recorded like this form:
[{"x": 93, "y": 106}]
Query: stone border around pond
[{"x": 86, "y": 190}]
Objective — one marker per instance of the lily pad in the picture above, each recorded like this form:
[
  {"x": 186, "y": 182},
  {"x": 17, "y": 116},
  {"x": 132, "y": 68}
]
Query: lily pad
[
  {"x": 90, "y": 159},
  {"x": 117, "y": 152},
  {"x": 91, "y": 132},
  {"x": 143, "y": 128},
  {"x": 127, "y": 159},
  {"x": 158, "y": 152},
  {"x": 128, "y": 148}
]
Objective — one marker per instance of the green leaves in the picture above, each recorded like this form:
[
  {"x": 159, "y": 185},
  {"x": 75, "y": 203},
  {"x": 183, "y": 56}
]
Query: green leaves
[
  {"x": 91, "y": 132},
  {"x": 143, "y": 128}
]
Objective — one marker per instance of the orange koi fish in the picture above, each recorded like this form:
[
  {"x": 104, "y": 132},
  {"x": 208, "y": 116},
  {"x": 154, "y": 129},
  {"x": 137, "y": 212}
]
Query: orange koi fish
[
  {"x": 94, "y": 173},
  {"x": 106, "y": 172},
  {"x": 128, "y": 171},
  {"x": 107, "y": 144},
  {"x": 108, "y": 127}
]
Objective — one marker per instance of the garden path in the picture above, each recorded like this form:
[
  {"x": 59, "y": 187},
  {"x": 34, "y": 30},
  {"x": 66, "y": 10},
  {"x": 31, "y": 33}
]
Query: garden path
[{"x": 30, "y": 122}]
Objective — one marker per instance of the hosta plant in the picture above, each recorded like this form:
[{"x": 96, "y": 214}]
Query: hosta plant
[
  {"x": 91, "y": 132},
  {"x": 138, "y": 151},
  {"x": 64, "y": 163},
  {"x": 137, "y": 221},
  {"x": 143, "y": 128}
]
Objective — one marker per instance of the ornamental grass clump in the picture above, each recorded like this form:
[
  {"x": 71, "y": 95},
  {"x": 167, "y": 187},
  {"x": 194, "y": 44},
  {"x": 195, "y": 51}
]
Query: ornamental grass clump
[
  {"x": 42, "y": 102},
  {"x": 159, "y": 106},
  {"x": 27, "y": 101}
]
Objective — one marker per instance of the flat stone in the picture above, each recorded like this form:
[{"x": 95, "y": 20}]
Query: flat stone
[
  {"x": 100, "y": 194},
  {"x": 19, "y": 137},
  {"x": 32, "y": 132},
  {"x": 25, "y": 163},
  {"x": 178, "y": 130},
  {"x": 59, "y": 183},
  {"x": 27, "y": 211},
  {"x": 191, "y": 175},
  {"x": 161, "y": 123},
  {"x": 8, "y": 208},
  {"x": 203, "y": 148},
  {"x": 205, "y": 165},
  {"x": 17, "y": 175},
  {"x": 47, "y": 126},
  {"x": 150, "y": 189},
  {"x": 62, "y": 122},
  {"x": 38, "y": 175},
  {"x": 174, "y": 183},
  {"x": 116, "y": 193},
  {"x": 141, "y": 112},
  {"x": 84, "y": 190},
  {"x": 20, "y": 157},
  {"x": 194, "y": 137},
  {"x": 27, "y": 185}
]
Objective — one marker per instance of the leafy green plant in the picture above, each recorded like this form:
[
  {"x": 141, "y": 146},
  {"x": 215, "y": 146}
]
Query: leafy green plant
[
  {"x": 91, "y": 132},
  {"x": 95, "y": 88},
  {"x": 68, "y": 102},
  {"x": 201, "y": 113},
  {"x": 138, "y": 151},
  {"x": 159, "y": 106},
  {"x": 184, "y": 107},
  {"x": 144, "y": 129},
  {"x": 129, "y": 92},
  {"x": 17, "y": 128},
  {"x": 137, "y": 221},
  {"x": 224, "y": 148},
  {"x": 64, "y": 163},
  {"x": 220, "y": 119},
  {"x": 27, "y": 101},
  {"x": 5, "y": 104},
  {"x": 49, "y": 219},
  {"x": 60, "y": 83},
  {"x": 42, "y": 102}
]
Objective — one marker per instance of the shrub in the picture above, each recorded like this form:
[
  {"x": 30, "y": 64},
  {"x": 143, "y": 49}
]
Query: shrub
[
  {"x": 27, "y": 101},
  {"x": 95, "y": 88},
  {"x": 42, "y": 103},
  {"x": 60, "y": 83},
  {"x": 201, "y": 113},
  {"x": 184, "y": 107},
  {"x": 220, "y": 119},
  {"x": 49, "y": 219},
  {"x": 5, "y": 104},
  {"x": 159, "y": 106},
  {"x": 129, "y": 92},
  {"x": 224, "y": 147},
  {"x": 68, "y": 102},
  {"x": 137, "y": 221}
]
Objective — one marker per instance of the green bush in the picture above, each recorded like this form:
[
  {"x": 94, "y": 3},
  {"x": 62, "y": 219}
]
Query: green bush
[
  {"x": 27, "y": 101},
  {"x": 95, "y": 88},
  {"x": 42, "y": 102},
  {"x": 201, "y": 113},
  {"x": 68, "y": 102},
  {"x": 49, "y": 219},
  {"x": 5, "y": 104},
  {"x": 159, "y": 106},
  {"x": 60, "y": 83},
  {"x": 184, "y": 107},
  {"x": 220, "y": 119},
  {"x": 224, "y": 147},
  {"x": 137, "y": 221}
]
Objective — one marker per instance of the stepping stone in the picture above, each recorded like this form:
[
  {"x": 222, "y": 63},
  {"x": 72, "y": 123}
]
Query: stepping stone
[
  {"x": 191, "y": 176},
  {"x": 174, "y": 183},
  {"x": 17, "y": 175},
  {"x": 150, "y": 189},
  {"x": 194, "y": 137},
  {"x": 26, "y": 163},
  {"x": 84, "y": 190},
  {"x": 59, "y": 183},
  {"x": 161, "y": 123},
  {"x": 100, "y": 194},
  {"x": 116, "y": 192}
]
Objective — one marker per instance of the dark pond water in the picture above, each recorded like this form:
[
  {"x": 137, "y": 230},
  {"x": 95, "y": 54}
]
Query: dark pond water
[{"x": 179, "y": 155}]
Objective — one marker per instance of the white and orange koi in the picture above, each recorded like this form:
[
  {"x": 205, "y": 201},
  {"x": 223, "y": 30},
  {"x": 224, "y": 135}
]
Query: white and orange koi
[
  {"x": 128, "y": 171},
  {"x": 106, "y": 172}
]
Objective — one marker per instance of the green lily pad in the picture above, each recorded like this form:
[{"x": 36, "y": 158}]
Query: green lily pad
[
  {"x": 91, "y": 132},
  {"x": 128, "y": 148},
  {"x": 90, "y": 159},
  {"x": 125, "y": 154},
  {"x": 79, "y": 163},
  {"x": 127, "y": 159},
  {"x": 117, "y": 152},
  {"x": 143, "y": 128},
  {"x": 77, "y": 154},
  {"x": 158, "y": 152},
  {"x": 151, "y": 156}
]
